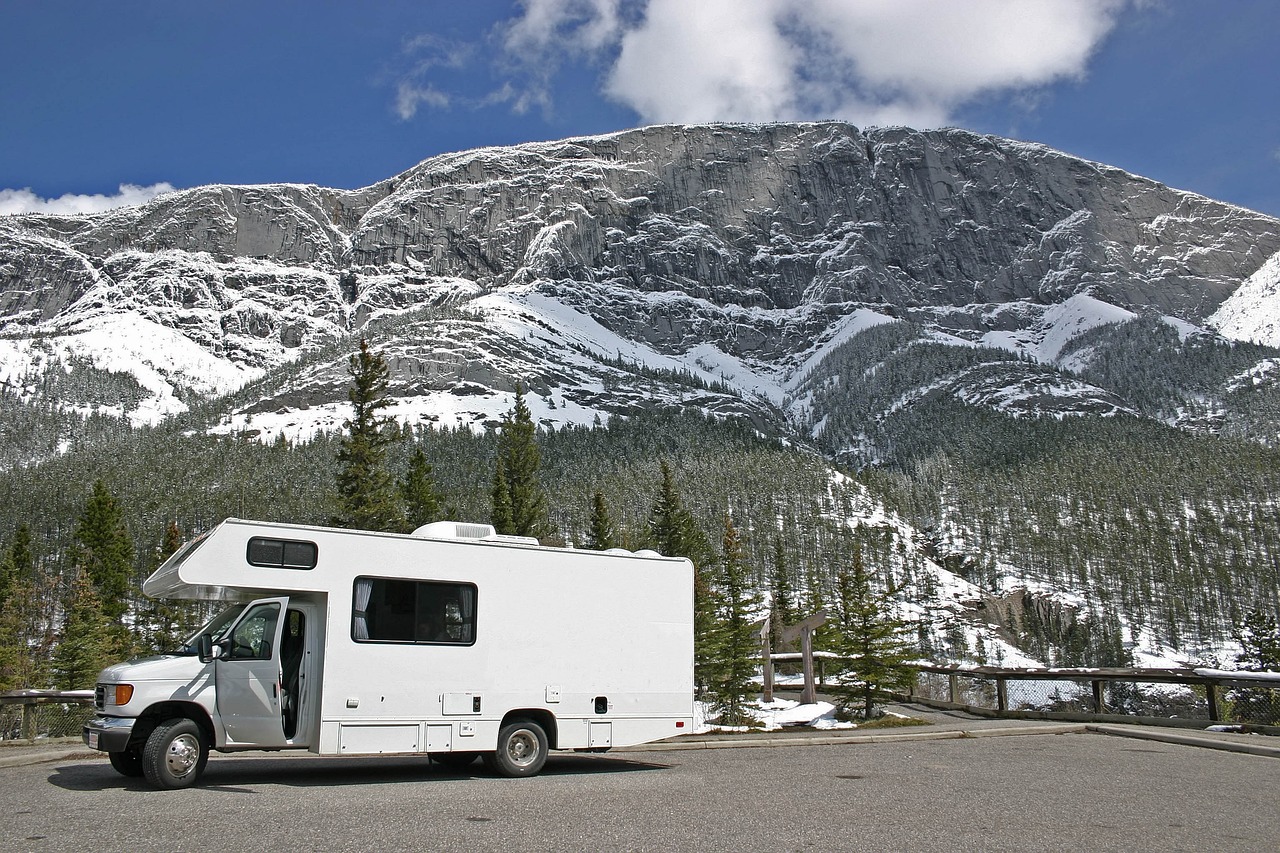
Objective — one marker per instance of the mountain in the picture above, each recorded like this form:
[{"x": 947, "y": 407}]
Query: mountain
[
  {"x": 881, "y": 296},
  {"x": 740, "y": 257}
]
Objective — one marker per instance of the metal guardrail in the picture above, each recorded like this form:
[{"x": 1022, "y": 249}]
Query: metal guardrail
[
  {"x": 30, "y": 715},
  {"x": 1180, "y": 697}
]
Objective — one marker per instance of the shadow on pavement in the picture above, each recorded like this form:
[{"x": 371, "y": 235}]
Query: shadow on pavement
[{"x": 236, "y": 774}]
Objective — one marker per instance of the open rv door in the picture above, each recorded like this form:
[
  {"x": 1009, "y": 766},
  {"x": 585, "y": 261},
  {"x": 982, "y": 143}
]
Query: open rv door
[{"x": 249, "y": 685}]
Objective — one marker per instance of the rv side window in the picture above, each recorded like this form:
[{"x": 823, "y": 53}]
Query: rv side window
[
  {"x": 389, "y": 610},
  {"x": 282, "y": 553}
]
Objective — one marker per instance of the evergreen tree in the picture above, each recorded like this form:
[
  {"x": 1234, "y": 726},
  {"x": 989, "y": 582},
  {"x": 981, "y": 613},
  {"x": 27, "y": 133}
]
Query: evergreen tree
[
  {"x": 366, "y": 489},
  {"x": 104, "y": 552},
  {"x": 165, "y": 623},
  {"x": 501, "y": 496},
  {"x": 783, "y": 609},
  {"x": 600, "y": 537},
  {"x": 1259, "y": 639},
  {"x": 17, "y": 565},
  {"x": 85, "y": 645},
  {"x": 422, "y": 504},
  {"x": 870, "y": 640},
  {"x": 518, "y": 462},
  {"x": 736, "y": 646},
  {"x": 675, "y": 534}
]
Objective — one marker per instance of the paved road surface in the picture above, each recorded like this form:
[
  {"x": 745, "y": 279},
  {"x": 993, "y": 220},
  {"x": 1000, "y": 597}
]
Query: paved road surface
[{"x": 1031, "y": 792}]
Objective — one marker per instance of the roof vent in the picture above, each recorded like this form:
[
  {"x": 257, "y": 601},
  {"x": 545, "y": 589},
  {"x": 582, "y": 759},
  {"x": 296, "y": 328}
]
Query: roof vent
[{"x": 455, "y": 530}]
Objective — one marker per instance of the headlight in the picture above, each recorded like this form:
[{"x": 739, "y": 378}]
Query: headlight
[{"x": 117, "y": 694}]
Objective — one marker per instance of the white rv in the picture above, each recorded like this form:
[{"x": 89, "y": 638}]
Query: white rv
[{"x": 452, "y": 642}]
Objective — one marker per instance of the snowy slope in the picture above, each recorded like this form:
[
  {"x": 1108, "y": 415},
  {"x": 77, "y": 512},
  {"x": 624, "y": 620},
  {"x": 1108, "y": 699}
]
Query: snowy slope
[{"x": 1252, "y": 313}]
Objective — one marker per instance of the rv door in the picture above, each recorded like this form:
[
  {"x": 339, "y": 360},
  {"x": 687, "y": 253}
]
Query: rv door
[{"x": 248, "y": 676}]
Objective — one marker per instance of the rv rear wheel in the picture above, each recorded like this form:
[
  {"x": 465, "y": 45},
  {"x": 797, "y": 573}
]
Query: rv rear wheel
[
  {"x": 128, "y": 762},
  {"x": 175, "y": 754},
  {"x": 522, "y": 749}
]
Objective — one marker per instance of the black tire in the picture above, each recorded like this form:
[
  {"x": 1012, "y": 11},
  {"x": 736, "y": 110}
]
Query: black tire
[
  {"x": 175, "y": 754},
  {"x": 127, "y": 763},
  {"x": 522, "y": 750},
  {"x": 455, "y": 760}
]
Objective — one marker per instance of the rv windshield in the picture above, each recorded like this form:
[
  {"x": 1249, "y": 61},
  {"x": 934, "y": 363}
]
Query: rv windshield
[{"x": 215, "y": 627}]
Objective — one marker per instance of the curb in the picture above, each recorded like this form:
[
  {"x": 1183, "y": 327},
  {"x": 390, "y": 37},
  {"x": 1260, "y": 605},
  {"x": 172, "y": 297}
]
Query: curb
[
  {"x": 1246, "y": 747},
  {"x": 823, "y": 739},
  {"x": 45, "y": 757}
]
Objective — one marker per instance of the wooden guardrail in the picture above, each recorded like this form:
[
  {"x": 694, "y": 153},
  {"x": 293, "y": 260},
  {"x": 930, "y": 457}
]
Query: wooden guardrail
[
  {"x": 1210, "y": 688},
  {"x": 28, "y": 726}
]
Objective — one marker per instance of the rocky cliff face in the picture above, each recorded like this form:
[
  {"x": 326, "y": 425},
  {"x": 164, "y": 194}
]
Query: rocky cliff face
[{"x": 743, "y": 256}]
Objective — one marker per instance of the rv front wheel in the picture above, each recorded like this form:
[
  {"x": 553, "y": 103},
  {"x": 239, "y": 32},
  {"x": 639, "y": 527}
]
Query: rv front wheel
[
  {"x": 522, "y": 749},
  {"x": 175, "y": 754}
]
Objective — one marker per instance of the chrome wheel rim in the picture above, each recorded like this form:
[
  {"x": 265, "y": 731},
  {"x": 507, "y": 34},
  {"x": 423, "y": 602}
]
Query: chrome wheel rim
[
  {"x": 522, "y": 748},
  {"x": 182, "y": 755}
]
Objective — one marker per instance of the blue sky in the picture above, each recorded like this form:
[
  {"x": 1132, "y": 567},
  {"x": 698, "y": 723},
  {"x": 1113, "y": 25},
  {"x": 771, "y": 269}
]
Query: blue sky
[{"x": 96, "y": 95}]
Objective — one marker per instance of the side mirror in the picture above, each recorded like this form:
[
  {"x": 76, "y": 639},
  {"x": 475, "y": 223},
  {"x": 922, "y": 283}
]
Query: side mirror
[{"x": 206, "y": 650}]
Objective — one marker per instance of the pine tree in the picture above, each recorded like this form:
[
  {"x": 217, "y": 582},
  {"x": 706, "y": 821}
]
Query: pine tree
[
  {"x": 518, "y": 462},
  {"x": 17, "y": 565},
  {"x": 501, "y": 496},
  {"x": 165, "y": 623},
  {"x": 85, "y": 644},
  {"x": 675, "y": 534},
  {"x": 783, "y": 610},
  {"x": 600, "y": 537},
  {"x": 104, "y": 551},
  {"x": 870, "y": 640},
  {"x": 736, "y": 642},
  {"x": 366, "y": 489},
  {"x": 422, "y": 504},
  {"x": 1259, "y": 639}
]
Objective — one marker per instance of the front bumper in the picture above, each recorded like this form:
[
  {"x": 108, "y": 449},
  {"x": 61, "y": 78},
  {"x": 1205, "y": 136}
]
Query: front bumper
[{"x": 108, "y": 734}]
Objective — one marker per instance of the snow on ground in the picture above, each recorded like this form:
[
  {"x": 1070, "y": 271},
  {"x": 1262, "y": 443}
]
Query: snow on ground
[
  {"x": 1058, "y": 326},
  {"x": 771, "y": 716},
  {"x": 848, "y": 328},
  {"x": 476, "y": 412},
  {"x": 1252, "y": 312},
  {"x": 158, "y": 357}
]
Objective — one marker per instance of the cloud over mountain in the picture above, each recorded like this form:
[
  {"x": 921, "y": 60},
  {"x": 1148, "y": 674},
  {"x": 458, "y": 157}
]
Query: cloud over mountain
[{"x": 871, "y": 62}]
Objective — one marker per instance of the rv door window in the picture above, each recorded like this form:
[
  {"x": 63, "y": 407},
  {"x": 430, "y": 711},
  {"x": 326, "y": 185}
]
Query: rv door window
[
  {"x": 252, "y": 637},
  {"x": 390, "y": 610}
]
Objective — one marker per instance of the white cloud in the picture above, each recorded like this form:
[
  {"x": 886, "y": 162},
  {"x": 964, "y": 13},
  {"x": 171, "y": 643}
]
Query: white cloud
[
  {"x": 129, "y": 195},
  {"x": 868, "y": 61},
  {"x": 409, "y": 96}
]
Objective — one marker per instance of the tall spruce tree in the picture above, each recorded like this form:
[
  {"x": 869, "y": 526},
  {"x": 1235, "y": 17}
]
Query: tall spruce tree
[
  {"x": 1259, "y": 639},
  {"x": 516, "y": 473},
  {"x": 164, "y": 623},
  {"x": 736, "y": 641},
  {"x": 24, "y": 643},
  {"x": 600, "y": 536},
  {"x": 422, "y": 502},
  {"x": 783, "y": 608},
  {"x": 17, "y": 564},
  {"x": 366, "y": 489},
  {"x": 85, "y": 644},
  {"x": 104, "y": 552},
  {"x": 871, "y": 641},
  {"x": 674, "y": 533}
]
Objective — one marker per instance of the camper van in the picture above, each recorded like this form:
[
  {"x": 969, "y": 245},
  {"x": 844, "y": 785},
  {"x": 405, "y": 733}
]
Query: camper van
[{"x": 453, "y": 642}]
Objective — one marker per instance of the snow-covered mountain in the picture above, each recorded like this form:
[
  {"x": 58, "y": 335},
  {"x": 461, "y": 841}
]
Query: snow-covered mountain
[{"x": 726, "y": 267}]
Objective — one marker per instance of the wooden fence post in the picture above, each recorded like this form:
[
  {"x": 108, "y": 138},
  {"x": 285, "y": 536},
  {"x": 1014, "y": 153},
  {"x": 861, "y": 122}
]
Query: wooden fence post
[
  {"x": 29, "y": 721},
  {"x": 953, "y": 685},
  {"x": 1002, "y": 695},
  {"x": 1211, "y": 693},
  {"x": 1099, "y": 699}
]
